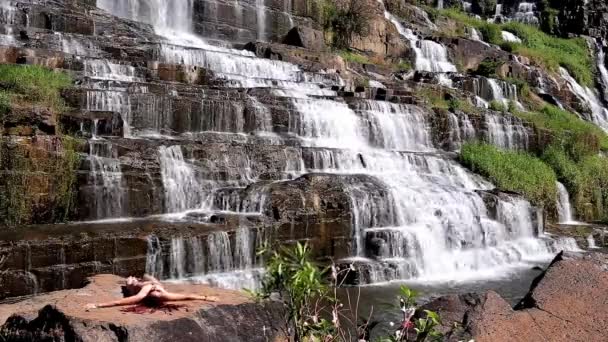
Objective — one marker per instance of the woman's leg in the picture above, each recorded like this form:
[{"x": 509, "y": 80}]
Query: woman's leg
[{"x": 176, "y": 297}]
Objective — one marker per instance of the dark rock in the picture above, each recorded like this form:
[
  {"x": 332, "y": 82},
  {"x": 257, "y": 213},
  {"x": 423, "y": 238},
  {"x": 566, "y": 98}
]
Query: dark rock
[
  {"x": 305, "y": 37},
  {"x": 566, "y": 303},
  {"x": 61, "y": 316}
]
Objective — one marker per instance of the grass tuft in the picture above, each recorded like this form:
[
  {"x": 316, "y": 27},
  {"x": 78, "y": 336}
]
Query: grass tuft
[
  {"x": 35, "y": 84},
  {"x": 513, "y": 171},
  {"x": 543, "y": 49}
]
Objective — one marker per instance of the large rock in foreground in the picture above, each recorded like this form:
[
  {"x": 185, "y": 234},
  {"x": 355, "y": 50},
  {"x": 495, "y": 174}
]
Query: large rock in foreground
[
  {"x": 60, "y": 316},
  {"x": 569, "y": 302}
]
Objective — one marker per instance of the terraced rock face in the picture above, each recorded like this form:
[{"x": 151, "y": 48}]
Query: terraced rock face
[{"x": 268, "y": 143}]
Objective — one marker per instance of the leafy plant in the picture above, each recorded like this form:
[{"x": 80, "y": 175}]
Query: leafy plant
[
  {"x": 300, "y": 283},
  {"x": 413, "y": 327},
  {"x": 347, "y": 19}
]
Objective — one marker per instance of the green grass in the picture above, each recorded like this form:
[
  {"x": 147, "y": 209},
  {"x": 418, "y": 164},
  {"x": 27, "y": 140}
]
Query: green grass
[
  {"x": 543, "y": 49},
  {"x": 513, "y": 171},
  {"x": 586, "y": 181},
  {"x": 34, "y": 83},
  {"x": 582, "y": 138},
  {"x": 354, "y": 57}
]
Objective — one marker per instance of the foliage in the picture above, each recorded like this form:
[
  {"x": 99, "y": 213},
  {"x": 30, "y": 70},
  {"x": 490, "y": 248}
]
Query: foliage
[
  {"x": 592, "y": 195},
  {"x": 354, "y": 57},
  {"x": 513, "y": 171},
  {"x": 34, "y": 83},
  {"x": 498, "y": 106},
  {"x": 35, "y": 171},
  {"x": 543, "y": 49},
  {"x": 414, "y": 327},
  {"x": 487, "y": 68},
  {"x": 436, "y": 99},
  {"x": 403, "y": 65},
  {"x": 553, "y": 52},
  {"x": 347, "y": 19},
  {"x": 300, "y": 283},
  {"x": 579, "y": 137}
]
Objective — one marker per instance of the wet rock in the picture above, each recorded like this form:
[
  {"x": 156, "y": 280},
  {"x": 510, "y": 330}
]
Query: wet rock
[
  {"x": 305, "y": 38},
  {"x": 566, "y": 303},
  {"x": 61, "y": 316}
]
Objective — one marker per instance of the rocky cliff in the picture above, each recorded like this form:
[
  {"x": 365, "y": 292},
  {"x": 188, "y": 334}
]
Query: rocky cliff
[
  {"x": 61, "y": 316},
  {"x": 565, "y": 303},
  {"x": 190, "y": 153}
]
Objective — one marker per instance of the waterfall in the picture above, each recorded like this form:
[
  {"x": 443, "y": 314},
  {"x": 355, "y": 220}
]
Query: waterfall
[
  {"x": 489, "y": 89},
  {"x": 564, "y": 209},
  {"x": 164, "y": 15},
  {"x": 416, "y": 213},
  {"x": 210, "y": 260},
  {"x": 260, "y": 10},
  {"x": 591, "y": 242},
  {"x": 433, "y": 57},
  {"x": 104, "y": 70},
  {"x": 510, "y": 37},
  {"x": 506, "y": 131},
  {"x": 458, "y": 240},
  {"x": 601, "y": 66},
  {"x": 183, "y": 191},
  {"x": 439, "y": 4},
  {"x": 599, "y": 114},
  {"x": 461, "y": 129},
  {"x": 430, "y": 56},
  {"x": 526, "y": 13},
  {"x": 107, "y": 179}
]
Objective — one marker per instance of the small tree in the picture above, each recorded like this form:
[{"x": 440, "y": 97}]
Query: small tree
[
  {"x": 347, "y": 18},
  {"x": 300, "y": 284}
]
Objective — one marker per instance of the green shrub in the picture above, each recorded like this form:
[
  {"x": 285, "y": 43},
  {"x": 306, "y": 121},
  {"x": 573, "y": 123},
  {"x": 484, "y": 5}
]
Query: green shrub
[
  {"x": 592, "y": 196},
  {"x": 491, "y": 33},
  {"x": 487, "y": 68},
  {"x": 347, "y": 19},
  {"x": 551, "y": 52},
  {"x": 580, "y": 138},
  {"x": 35, "y": 83},
  {"x": 513, "y": 171},
  {"x": 498, "y": 106}
]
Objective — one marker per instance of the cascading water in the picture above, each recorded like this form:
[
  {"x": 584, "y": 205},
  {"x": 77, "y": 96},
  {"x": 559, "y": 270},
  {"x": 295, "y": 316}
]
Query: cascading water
[
  {"x": 601, "y": 66},
  {"x": 430, "y": 56},
  {"x": 461, "y": 130},
  {"x": 510, "y": 37},
  {"x": 182, "y": 189},
  {"x": 163, "y": 15},
  {"x": 261, "y": 19},
  {"x": 428, "y": 216},
  {"x": 106, "y": 174},
  {"x": 506, "y": 131},
  {"x": 564, "y": 209},
  {"x": 213, "y": 259},
  {"x": 599, "y": 114},
  {"x": 526, "y": 13}
]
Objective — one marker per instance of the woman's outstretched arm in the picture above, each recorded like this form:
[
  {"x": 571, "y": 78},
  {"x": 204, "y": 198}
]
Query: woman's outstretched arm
[{"x": 125, "y": 301}]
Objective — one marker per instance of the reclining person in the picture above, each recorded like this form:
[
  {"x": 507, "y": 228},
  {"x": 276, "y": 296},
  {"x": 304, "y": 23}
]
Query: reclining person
[{"x": 150, "y": 292}]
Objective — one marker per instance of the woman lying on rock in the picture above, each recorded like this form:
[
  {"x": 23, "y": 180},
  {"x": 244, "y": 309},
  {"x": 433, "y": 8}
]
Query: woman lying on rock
[{"x": 149, "y": 292}]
